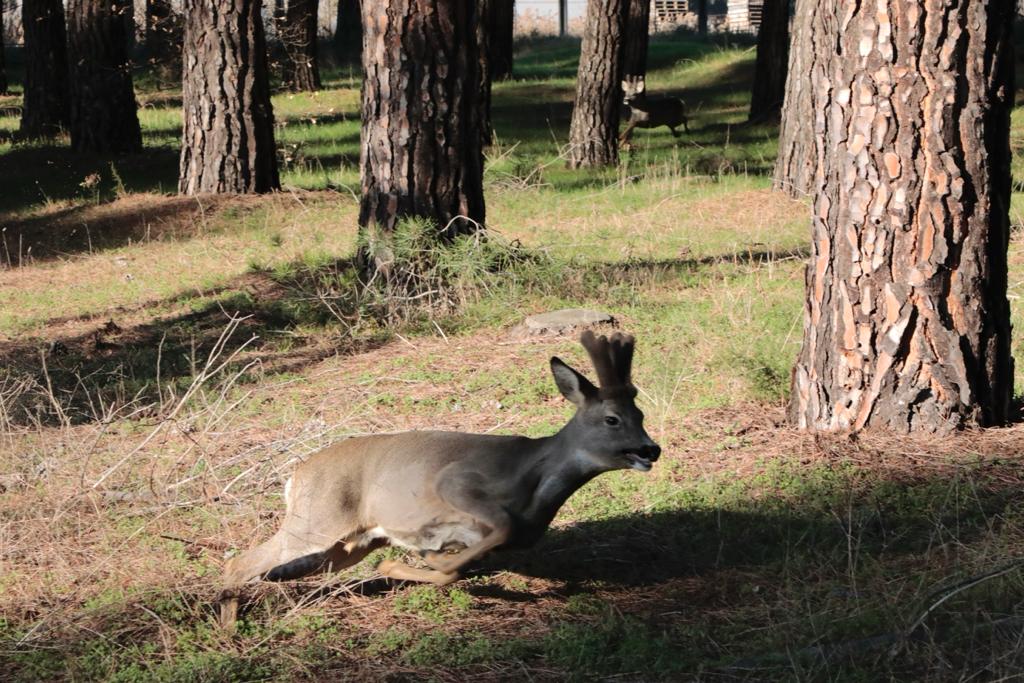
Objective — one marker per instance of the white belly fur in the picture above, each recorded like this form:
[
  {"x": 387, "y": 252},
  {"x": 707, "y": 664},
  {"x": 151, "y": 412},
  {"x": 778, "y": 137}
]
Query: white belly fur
[{"x": 436, "y": 537}]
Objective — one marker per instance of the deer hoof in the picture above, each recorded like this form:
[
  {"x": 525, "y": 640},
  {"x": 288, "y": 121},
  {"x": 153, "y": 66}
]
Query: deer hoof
[{"x": 228, "y": 614}]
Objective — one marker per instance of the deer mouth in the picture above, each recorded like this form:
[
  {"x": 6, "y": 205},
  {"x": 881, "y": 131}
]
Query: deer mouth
[{"x": 637, "y": 461}]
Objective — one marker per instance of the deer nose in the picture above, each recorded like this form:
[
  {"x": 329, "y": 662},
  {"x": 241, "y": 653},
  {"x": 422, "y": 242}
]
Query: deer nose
[{"x": 651, "y": 452}]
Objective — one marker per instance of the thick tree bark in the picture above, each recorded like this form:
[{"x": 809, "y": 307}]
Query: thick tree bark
[
  {"x": 46, "y": 109},
  {"x": 104, "y": 117},
  {"x": 772, "y": 59},
  {"x": 348, "y": 33},
  {"x": 421, "y": 141},
  {"x": 702, "y": 17},
  {"x": 638, "y": 22},
  {"x": 906, "y": 322},
  {"x": 594, "y": 131},
  {"x": 301, "y": 67},
  {"x": 228, "y": 139},
  {"x": 813, "y": 32},
  {"x": 500, "y": 27}
]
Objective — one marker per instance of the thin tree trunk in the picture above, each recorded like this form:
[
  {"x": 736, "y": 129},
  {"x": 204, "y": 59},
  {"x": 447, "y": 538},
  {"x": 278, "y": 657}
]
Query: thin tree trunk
[
  {"x": 500, "y": 26},
  {"x": 46, "y": 109},
  {"x": 769, "y": 88},
  {"x": 702, "y": 18},
  {"x": 104, "y": 117},
  {"x": 421, "y": 142},
  {"x": 301, "y": 67},
  {"x": 228, "y": 139},
  {"x": 348, "y": 33},
  {"x": 907, "y": 323},
  {"x": 638, "y": 21},
  {"x": 594, "y": 131},
  {"x": 797, "y": 158}
]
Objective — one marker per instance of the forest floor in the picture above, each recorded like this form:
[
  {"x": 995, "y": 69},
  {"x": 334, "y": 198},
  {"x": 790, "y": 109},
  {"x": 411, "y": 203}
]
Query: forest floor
[{"x": 166, "y": 361}]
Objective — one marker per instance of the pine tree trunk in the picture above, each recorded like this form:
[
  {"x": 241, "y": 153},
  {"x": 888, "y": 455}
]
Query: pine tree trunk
[
  {"x": 228, "y": 139},
  {"x": 702, "y": 18},
  {"x": 638, "y": 22},
  {"x": 772, "y": 59},
  {"x": 797, "y": 158},
  {"x": 500, "y": 27},
  {"x": 907, "y": 322},
  {"x": 421, "y": 141},
  {"x": 594, "y": 131},
  {"x": 301, "y": 69},
  {"x": 46, "y": 109},
  {"x": 348, "y": 33},
  {"x": 104, "y": 117}
]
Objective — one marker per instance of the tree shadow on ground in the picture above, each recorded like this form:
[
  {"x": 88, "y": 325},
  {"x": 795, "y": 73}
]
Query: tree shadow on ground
[
  {"x": 115, "y": 364},
  {"x": 89, "y": 228},
  {"x": 40, "y": 173},
  {"x": 110, "y": 366}
]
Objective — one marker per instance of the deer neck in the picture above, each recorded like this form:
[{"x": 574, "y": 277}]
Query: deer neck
[{"x": 559, "y": 467}]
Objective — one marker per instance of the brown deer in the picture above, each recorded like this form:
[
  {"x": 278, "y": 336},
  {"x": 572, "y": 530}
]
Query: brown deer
[
  {"x": 652, "y": 112},
  {"x": 451, "y": 497}
]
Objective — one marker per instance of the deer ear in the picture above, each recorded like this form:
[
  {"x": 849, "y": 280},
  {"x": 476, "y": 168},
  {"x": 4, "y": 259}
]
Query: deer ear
[
  {"x": 639, "y": 86},
  {"x": 574, "y": 386},
  {"x": 625, "y": 85}
]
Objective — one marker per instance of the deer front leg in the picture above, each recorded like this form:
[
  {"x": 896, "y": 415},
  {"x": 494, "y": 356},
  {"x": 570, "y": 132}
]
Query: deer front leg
[
  {"x": 626, "y": 134},
  {"x": 446, "y": 568},
  {"x": 468, "y": 493}
]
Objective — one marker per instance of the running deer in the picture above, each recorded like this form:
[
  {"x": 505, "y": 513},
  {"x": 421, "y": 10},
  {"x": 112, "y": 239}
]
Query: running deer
[
  {"x": 650, "y": 113},
  {"x": 451, "y": 497}
]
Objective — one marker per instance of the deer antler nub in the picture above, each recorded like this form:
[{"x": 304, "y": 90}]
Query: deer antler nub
[{"x": 612, "y": 360}]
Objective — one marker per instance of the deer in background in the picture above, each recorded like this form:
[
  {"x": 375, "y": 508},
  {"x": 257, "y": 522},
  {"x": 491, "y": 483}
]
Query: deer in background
[
  {"x": 449, "y": 496},
  {"x": 652, "y": 112}
]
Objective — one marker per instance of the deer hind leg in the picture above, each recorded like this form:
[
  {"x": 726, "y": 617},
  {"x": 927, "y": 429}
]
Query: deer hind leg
[{"x": 285, "y": 556}]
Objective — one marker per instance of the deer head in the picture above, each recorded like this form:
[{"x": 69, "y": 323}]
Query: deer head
[
  {"x": 632, "y": 88},
  {"x": 608, "y": 427}
]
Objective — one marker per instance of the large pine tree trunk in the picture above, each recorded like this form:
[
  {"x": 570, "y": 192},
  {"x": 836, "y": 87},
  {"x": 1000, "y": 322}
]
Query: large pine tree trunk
[
  {"x": 104, "y": 117},
  {"x": 638, "y": 22},
  {"x": 228, "y": 139},
  {"x": 500, "y": 35},
  {"x": 907, "y": 322},
  {"x": 772, "y": 59},
  {"x": 797, "y": 158},
  {"x": 301, "y": 68},
  {"x": 348, "y": 33},
  {"x": 594, "y": 131},
  {"x": 46, "y": 109},
  {"x": 422, "y": 152}
]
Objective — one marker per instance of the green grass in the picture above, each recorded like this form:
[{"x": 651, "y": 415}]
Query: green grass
[{"x": 747, "y": 547}]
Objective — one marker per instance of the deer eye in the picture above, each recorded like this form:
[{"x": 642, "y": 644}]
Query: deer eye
[{"x": 611, "y": 421}]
